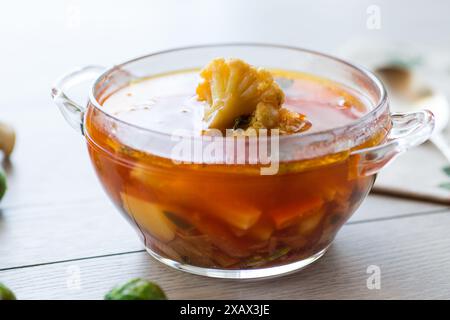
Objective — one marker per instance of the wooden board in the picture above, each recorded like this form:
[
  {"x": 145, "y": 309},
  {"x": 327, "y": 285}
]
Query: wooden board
[{"x": 411, "y": 253}]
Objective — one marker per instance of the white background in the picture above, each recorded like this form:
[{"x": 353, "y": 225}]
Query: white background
[{"x": 40, "y": 40}]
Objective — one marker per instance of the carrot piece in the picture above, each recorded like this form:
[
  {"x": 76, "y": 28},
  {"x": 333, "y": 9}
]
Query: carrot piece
[
  {"x": 286, "y": 215},
  {"x": 236, "y": 214}
]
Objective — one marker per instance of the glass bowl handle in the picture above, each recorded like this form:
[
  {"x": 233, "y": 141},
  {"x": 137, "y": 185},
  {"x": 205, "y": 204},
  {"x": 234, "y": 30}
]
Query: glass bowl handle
[
  {"x": 72, "y": 111},
  {"x": 408, "y": 130}
]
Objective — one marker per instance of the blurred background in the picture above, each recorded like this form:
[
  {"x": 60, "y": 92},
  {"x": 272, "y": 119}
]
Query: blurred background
[{"x": 41, "y": 40}]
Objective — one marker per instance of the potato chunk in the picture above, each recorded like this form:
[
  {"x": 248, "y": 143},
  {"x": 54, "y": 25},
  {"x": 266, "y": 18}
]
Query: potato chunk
[{"x": 149, "y": 216}]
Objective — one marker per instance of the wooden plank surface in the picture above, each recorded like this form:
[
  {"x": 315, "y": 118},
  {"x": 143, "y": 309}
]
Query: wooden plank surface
[
  {"x": 46, "y": 234},
  {"x": 47, "y": 153},
  {"x": 411, "y": 253},
  {"x": 49, "y": 233}
]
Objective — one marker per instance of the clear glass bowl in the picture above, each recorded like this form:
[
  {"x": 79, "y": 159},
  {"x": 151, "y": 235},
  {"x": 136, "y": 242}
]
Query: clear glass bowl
[{"x": 231, "y": 221}]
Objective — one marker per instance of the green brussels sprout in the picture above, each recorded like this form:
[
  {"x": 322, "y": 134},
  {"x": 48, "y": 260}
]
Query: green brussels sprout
[
  {"x": 136, "y": 289},
  {"x": 5, "y": 293},
  {"x": 2, "y": 184}
]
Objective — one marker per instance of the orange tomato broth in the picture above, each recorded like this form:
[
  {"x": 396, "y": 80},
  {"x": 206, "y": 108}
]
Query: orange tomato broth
[{"x": 204, "y": 216}]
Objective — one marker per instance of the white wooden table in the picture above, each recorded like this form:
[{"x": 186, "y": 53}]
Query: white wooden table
[{"x": 60, "y": 238}]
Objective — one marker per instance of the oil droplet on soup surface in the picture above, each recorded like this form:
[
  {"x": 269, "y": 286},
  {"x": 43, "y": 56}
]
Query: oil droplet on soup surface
[
  {"x": 164, "y": 104},
  {"x": 168, "y": 103}
]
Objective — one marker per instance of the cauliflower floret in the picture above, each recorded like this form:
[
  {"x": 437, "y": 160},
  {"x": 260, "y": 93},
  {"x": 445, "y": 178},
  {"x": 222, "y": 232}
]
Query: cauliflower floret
[
  {"x": 268, "y": 117},
  {"x": 292, "y": 122},
  {"x": 240, "y": 96},
  {"x": 233, "y": 88},
  {"x": 265, "y": 116}
]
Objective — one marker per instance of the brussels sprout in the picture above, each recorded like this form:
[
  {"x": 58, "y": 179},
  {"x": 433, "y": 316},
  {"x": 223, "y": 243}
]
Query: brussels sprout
[
  {"x": 5, "y": 293},
  {"x": 136, "y": 289},
  {"x": 2, "y": 184}
]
